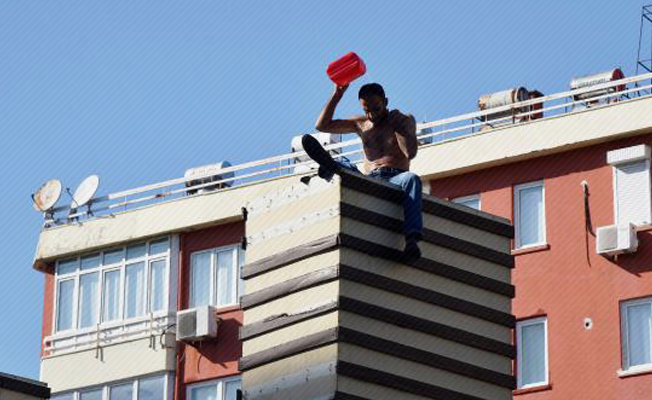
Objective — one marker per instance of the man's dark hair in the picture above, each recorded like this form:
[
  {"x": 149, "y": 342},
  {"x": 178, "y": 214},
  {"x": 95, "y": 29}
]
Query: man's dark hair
[{"x": 371, "y": 89}]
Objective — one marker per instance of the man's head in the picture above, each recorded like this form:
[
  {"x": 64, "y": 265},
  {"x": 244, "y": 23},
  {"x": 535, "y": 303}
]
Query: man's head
[{"x": 373, "y": 101}]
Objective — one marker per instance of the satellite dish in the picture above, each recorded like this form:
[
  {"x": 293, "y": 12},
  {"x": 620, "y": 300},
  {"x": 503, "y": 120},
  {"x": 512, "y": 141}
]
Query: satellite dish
[
  {"x": 85, "y": 191},
  {"x": 47, "y": 195}
]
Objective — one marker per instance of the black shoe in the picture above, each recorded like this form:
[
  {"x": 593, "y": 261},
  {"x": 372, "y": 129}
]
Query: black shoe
[
  {"x": 314, "y": 149},
  {"x": 412, "y": 252}
]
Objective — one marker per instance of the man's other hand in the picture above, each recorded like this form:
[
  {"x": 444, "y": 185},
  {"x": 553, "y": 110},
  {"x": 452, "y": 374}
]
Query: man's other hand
[{"x": 396, "y": 120}]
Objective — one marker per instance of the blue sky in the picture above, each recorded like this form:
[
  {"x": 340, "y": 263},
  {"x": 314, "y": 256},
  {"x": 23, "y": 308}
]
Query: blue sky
[{"x": 139, "y": 91}]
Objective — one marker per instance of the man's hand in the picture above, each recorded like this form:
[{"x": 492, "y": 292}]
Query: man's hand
[
  {"x": 405, "y": 127},
  {"x": 398, "y": 121},
  {"x": 339, "y": 90}
]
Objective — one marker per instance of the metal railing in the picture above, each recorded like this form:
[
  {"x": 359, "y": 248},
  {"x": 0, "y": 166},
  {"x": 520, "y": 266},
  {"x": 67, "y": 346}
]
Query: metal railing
[
  {"x": 101, "y": 335},
  {"x": 432, "y": 133}
]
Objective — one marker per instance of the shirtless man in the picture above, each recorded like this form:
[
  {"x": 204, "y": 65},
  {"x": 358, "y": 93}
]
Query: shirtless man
[{"x": 389, "y": 142}]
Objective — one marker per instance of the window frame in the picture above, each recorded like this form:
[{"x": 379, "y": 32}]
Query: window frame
[
  {"x": 238, "y": 258},
  {"x": 517, "y": 208},
  {"x": 168, "y": 385},
  {"x": 624, "y": 335},
  {"x": 102, "y": 269},
  {"x": 55, "y": 305},
  {"x": 220, "y": 385},
  {"x": 143, "y": 295},
  {"x": 616, "y": 191},
  {"x": 80, "y": 299},
  {"x": 120, "y": 305},
  {"x": 461, "y": 200},
  {"x": 519, "y": 352}
]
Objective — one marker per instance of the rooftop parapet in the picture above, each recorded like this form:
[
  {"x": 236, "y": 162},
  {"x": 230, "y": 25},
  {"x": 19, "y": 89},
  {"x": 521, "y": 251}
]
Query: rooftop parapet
[{"x": 430, "y": 134}]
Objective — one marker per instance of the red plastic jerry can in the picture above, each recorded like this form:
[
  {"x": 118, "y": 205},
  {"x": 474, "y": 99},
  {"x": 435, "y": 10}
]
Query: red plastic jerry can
[{"x": 346, "y": 69}]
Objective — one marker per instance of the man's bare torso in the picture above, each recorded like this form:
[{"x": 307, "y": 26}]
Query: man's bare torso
[{"x": 380, "y": 146}]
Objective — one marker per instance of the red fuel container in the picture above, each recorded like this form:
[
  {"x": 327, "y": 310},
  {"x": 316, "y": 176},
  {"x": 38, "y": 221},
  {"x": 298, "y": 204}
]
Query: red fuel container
[{"x": 346, "y": 69}]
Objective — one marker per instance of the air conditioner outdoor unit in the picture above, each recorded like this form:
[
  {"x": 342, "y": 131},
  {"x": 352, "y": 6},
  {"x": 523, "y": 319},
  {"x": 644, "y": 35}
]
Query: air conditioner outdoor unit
[
  {"x": 425, "y": 131},
  {"x": 616, "y": 239},
  {"x": 206, "y": 174},
  {"x": 197, "y": 323}
]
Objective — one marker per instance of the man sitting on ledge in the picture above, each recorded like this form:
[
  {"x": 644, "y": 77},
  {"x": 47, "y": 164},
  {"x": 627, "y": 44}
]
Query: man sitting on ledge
[{"x": 389, "y": 142}]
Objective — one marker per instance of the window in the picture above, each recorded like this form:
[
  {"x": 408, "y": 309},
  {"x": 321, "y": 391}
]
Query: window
[
  {"x": 65, "y": 304},
  {"x": 113, "y": 285},
  {"x": 121, "y": 392},
  {"x": 91, "y": 395},
  {"x": 632, "y": 193},
  {"x": 532, "y": 352},
  {"x": 529, "y": 214},
  {"x": 151, "y": 388},
  {"x": 148, "y": 388},
  {"x": 67, "y": 396},
  {"x": 215, "y": 277},
  {"x": 631, "y": 182},
  {"x": 636, "y": 322},
  {"x": 469, "y": 201},
  {"x": 225, "y": 389}
]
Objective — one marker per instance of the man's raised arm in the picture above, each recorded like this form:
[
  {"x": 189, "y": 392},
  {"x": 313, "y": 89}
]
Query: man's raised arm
[{"x": 327, "y": 124}]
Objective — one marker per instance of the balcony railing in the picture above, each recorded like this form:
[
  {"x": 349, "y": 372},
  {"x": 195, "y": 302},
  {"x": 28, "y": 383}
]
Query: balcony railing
[
  {"x": 429, "y": 134},
  {"x": 101, "y": 335}
]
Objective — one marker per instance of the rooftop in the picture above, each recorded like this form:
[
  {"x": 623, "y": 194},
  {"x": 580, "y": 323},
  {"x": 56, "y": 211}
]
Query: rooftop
[{"x": 498, "y": 135}]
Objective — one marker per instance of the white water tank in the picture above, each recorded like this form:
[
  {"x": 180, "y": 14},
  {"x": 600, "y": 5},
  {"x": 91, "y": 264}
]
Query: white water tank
[
  {"x": 597, "y": 79},
  {"x": 503, "y": 98}
]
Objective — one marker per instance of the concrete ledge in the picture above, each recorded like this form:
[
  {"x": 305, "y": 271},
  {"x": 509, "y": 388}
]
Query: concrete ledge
[{"x": 186, "y": 213}]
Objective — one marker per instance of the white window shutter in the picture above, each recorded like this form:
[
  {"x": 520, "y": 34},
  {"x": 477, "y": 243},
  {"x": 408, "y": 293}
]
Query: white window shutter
[{"x": 632, "y": 193}]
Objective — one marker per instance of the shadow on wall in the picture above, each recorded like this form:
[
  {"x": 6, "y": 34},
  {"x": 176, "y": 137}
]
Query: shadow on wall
[
  {"x": 220, "y": 350},
  {"x": 578, "y": 161},
  {"x": 639, "y": 262}
]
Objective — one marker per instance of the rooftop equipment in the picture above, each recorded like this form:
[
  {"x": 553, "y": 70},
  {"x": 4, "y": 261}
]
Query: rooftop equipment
[
  {"x": 616, "y": 239},
  {"x": 206, "y": 174},
  {"x": 47, "y": 196},
  {"x": 504, "y": 98},
  {"x": 324, "y": 139},
  {"x": 197, "y": 324},
  {"x": 84, "y": 193},
  {"x": 423, "y": 132},
  {"x": 535, "y": 94},
  {"x": 597, "y": 79}
]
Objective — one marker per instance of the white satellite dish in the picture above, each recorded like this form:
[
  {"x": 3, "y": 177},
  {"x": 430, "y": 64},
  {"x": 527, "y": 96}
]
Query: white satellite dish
[
  {"x": 47, "y": 195},
  {"x": 85, "y": 191}
]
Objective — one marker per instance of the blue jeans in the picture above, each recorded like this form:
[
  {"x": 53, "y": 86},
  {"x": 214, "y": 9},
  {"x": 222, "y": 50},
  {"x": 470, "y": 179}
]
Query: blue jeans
[{"x": 411, "y": 185}]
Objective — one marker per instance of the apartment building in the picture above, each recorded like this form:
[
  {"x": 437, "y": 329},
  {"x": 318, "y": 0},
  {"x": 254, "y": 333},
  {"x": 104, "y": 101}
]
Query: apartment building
[
  {"x": 562, "y": 167},
  {"x": 577, "y": 187}
]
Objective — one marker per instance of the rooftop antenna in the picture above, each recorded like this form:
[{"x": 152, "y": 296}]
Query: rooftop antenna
[
  {"x": 84, "y": 193},
  {"x": 644, "y": 57},
  {"x": 46, "y": 197}
]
